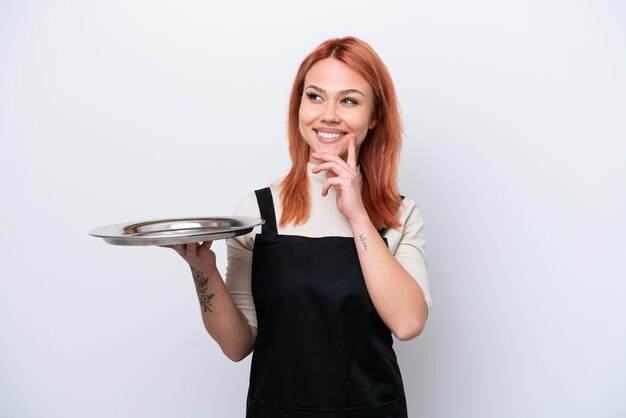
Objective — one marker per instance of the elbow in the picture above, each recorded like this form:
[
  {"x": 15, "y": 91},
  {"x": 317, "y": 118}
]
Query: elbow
[
  {"x": 412, "y": 323},
  {"x": 236, "y": 358},
  {"x": 237, "y": 352},
  {"x": 238, "y": 348},
  {"x": 236, "y": 355},
  {"x": 409, "y": 331}
]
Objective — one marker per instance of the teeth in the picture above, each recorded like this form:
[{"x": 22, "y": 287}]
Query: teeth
[{"x": 329, "y": 136}]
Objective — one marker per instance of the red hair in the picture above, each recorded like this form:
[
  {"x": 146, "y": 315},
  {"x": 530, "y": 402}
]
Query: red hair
[{"x": 380, "y": 152}]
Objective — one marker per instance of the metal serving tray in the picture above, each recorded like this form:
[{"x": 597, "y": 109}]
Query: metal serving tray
[{"x": 177, "y": 230}]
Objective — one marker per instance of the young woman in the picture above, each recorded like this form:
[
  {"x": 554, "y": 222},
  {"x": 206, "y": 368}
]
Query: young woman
[{"x": 338, "y": 266}]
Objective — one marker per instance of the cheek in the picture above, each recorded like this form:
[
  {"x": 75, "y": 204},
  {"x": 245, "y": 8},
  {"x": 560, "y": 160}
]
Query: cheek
[
  {"x": 305, "y": 114},
  {"x": 303, "y": 121},
  {"x": 359, "y": 124},
  {"x": 360, "y": 141}
]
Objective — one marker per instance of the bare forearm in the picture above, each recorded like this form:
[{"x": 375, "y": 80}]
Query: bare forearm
[
  {"x": 222, "y": 319},
  {"x": 397, "y": 297}
]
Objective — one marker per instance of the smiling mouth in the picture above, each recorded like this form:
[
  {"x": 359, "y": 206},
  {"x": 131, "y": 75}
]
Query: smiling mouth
[{"x": 329, "y": 137}]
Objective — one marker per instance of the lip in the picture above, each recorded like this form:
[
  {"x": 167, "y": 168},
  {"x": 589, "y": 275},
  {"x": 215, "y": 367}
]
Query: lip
[{"x": 329, "y": 131}]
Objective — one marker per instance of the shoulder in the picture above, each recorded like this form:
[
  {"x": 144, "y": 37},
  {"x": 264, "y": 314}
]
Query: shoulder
[
  {"x": 409, "y": 212},
  {"x": 410, "y": 230},
  {"x": 248, "y": 206}
]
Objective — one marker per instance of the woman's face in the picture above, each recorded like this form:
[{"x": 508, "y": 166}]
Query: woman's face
[{"x": 336, "y": 102}]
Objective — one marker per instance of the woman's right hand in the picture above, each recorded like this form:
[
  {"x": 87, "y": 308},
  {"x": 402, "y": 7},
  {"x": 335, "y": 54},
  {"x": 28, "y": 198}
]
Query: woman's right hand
[{"x": 198, "y": 255}]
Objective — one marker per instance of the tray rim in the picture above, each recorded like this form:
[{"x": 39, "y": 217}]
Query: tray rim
[{"x": 115, "y": 233}]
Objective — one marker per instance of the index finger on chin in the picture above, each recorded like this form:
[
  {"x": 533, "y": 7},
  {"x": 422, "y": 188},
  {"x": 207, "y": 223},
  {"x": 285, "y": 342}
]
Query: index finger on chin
[{"x": 352, "y": 151}]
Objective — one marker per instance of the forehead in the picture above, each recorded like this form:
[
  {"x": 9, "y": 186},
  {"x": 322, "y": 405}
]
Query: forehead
[{"x": 333, "y": 75}]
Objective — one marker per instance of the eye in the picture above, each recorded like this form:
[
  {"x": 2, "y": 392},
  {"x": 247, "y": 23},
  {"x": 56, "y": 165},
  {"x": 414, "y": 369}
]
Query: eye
[
  {"x": 350, "y": 101},
  {"x": 314, "y": 97}
]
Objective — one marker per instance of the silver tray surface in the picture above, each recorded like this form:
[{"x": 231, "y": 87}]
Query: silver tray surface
[{"x": 176, "y": 230}]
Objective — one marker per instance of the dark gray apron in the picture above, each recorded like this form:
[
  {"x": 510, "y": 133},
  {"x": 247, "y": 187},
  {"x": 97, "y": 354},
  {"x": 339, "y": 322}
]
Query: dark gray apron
[{"x": 322, "y": 350}]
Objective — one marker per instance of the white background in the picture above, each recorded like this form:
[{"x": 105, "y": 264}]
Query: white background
[{"x": 515, "y": 150}]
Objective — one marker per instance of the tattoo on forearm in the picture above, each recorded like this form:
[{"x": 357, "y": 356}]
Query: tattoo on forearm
[
  {"x": 202, "y": 281},
  {"x": 205, "y": 301},
  {"x": 199, "y": 278},
  {"x": 362, "y": 239}
]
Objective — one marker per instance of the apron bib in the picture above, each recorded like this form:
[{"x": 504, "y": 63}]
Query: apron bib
[{"x": 322, "y": 350}]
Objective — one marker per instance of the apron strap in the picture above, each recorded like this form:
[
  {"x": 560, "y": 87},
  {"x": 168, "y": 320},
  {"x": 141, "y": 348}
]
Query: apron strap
[{"x": 266, "y": 207}]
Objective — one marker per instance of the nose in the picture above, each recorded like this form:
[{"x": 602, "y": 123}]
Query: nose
[{"x": 330, "y": 115}]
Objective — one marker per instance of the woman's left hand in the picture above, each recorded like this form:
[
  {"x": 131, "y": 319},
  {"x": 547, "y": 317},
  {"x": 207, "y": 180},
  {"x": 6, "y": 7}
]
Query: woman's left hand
[{"x": 344, "y": 178}]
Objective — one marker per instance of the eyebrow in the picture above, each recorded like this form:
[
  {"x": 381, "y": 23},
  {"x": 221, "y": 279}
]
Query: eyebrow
[{"x": 342, "y": 92}]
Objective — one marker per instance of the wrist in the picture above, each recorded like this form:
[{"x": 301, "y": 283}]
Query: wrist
[
  {"x": 212, "y": 271},
  {"x": 360, "y": 223},
  {"x": 207, "y": 270}
]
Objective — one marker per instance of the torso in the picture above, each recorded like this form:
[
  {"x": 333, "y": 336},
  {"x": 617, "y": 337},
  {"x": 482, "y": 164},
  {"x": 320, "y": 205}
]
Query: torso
[{"x": 321, "y": 350}]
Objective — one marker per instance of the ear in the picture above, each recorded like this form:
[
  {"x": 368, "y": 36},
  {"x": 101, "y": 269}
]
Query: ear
[{"x": 373, "y": 123}]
